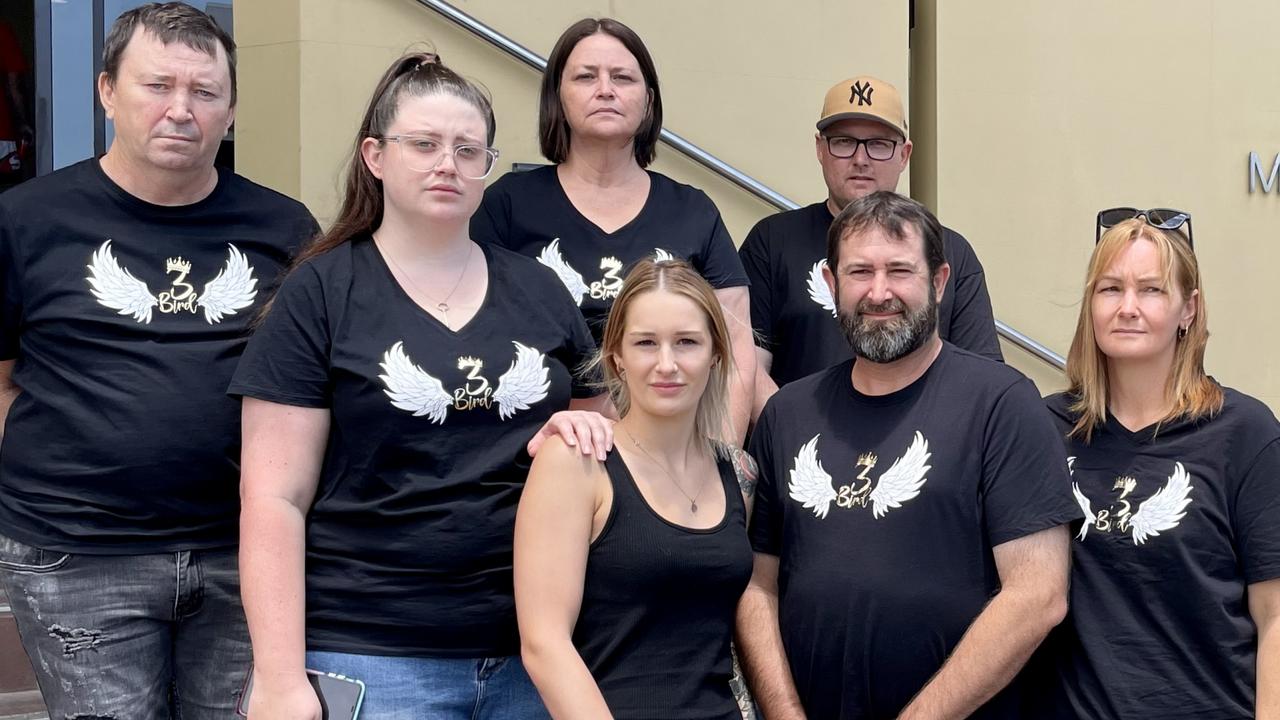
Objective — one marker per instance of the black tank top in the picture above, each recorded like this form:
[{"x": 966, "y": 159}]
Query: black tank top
[{"x": 658, "y": 606}]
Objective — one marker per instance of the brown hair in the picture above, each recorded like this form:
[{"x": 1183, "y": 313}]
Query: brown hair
[
  {"x": 678, "y": 277},
  {"x": 169, "y": 22},
  {"x": 1194, "y": 395},
  {"x": 413, "y": 75},
  {"x": 553, "y": 128},
  {"x": 890, "y": 212}
]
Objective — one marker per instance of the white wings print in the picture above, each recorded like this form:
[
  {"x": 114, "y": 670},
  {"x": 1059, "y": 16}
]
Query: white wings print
[
  {"x": 523, "y": 384},
  {"x": 660, "y": 255},
  {"x": 903, "y": 480},
  {"x": 818, "y": 290},
  {"x": 412, "y": 388},
  {"x": 233, "y": 289},
  {"x": 572, "y": 279},
  {"x": 811, "y": 485},
  {"x": 1165, "y": 509},
  {"x": 1082, "y": 500},
  {"x": 117, "y": 288}
]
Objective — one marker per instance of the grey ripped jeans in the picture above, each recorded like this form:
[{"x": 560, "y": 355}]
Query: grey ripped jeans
[{"x": 130, "y": 636}]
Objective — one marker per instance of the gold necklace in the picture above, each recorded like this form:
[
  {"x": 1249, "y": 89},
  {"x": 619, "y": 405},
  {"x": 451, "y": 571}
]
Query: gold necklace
[
  {"x": 693, "y": 501},
  {"x": 443, "y": 305}
]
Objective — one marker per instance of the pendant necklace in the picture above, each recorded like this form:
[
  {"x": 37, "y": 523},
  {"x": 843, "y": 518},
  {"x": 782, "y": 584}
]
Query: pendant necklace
[
  {"x": 693, "y": 500},
  {"x": 443, "y": 306}
]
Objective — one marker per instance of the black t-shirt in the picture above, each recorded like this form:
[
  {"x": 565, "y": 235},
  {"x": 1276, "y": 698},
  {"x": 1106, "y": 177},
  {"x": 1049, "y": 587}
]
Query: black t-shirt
[
  {"x": 1179, "y": 523},
  {"x": 409, "y": 538},
  {"x": 126, "y": 320},
  {"x": 793, "y": 312},
  {"x": 528, "y": 212},
  {"x": 883, "y": 511}
]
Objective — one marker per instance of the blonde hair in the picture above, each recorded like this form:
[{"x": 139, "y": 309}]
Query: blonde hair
[
  {"x": 1194, "y": 395},
  {"x": 678, "y": 277}
]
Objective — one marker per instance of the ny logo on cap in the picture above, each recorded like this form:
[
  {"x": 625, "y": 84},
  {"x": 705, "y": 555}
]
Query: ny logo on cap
[{"x": 862, "y": 91}]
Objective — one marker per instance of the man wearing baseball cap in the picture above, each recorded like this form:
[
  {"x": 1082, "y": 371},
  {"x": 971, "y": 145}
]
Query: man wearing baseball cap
[{"x": 862, "y": 146}]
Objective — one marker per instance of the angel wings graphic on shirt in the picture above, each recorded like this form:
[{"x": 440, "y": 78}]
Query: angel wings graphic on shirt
[
  {"x": 811, "y": 485},
  {"x": 819, "y": 291},
  {"x": 115, "y": 287},
  {"x": 1161, "y": 512},
  {"x": 573, "y": 280},
  {"x": 413, "y": 389}
]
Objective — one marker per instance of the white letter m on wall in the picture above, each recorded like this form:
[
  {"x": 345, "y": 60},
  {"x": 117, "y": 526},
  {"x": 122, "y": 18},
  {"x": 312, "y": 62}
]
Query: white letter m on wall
[{"x": 1255, "y": 173}]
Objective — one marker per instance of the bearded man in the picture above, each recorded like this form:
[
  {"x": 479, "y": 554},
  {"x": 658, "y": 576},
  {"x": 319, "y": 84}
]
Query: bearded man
[{"x": 909, "y": 528}]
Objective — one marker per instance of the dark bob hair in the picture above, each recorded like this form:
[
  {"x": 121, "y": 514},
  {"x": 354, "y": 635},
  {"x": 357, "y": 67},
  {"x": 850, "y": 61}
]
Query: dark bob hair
[{"x": 553, "y": 128}]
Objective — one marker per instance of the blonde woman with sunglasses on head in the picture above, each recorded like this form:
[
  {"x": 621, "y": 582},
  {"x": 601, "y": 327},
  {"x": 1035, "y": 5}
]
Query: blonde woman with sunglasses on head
[{"x": 1175, "y": 590}]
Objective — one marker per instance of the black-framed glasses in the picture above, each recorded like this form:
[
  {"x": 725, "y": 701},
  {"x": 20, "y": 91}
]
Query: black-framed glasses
[
  {"x": 843, "y": 146},
  {"x": 423, "y": 154},
  {"x": 1163, "y": 218}
]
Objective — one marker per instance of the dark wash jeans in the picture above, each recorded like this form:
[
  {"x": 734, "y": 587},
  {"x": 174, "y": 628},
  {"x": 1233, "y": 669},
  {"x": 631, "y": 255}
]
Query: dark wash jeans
[{"x": 130, "y": 636}]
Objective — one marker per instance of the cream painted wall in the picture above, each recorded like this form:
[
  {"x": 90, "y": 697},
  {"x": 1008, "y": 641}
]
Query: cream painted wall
[
  {"x": 1045, "y": 113},
  {"x": 744, "y": 81}
]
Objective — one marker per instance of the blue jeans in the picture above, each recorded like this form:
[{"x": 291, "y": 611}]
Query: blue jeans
[
  {"x": 409, "y": 688},
  {"x": 130, "y": 636}
]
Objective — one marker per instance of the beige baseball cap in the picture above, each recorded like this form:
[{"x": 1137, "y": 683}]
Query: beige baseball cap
[{"x": 864, "y": 97}]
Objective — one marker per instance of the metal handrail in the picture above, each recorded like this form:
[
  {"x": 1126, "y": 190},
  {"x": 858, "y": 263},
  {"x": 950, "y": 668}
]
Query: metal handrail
[{"x": 700, "y": 156}]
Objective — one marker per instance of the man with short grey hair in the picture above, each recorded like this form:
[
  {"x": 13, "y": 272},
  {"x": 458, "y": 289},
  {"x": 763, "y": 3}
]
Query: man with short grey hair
[{"x": 127, "y": 286}]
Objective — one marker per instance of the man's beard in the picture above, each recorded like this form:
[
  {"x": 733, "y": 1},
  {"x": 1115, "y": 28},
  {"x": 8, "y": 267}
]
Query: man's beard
[{"x": 883, "y": 341}]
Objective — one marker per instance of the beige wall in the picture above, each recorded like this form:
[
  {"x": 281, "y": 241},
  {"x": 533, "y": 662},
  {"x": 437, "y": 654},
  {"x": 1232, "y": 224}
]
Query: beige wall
[
  {"x": 744, "y": 81},
  {"x": 1045, "y": 113}
]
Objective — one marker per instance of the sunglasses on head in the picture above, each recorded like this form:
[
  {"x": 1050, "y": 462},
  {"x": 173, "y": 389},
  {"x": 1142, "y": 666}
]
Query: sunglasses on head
[{"x": 1163, "y": 218}]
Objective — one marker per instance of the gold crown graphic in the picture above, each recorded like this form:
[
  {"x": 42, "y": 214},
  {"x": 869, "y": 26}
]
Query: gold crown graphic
[
  {"x": 1125, "y": 481},
  {"x": 466, "y": 361},
  {"x": 177, "y": 264},
  {"x": 868, "y": 459}
]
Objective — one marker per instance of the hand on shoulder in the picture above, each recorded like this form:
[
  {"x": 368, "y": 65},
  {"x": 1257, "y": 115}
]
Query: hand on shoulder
[{"x": 585, "y": 432}]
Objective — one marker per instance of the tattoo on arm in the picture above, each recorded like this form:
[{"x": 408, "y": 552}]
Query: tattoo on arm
[{"x": 745, "y": 468}]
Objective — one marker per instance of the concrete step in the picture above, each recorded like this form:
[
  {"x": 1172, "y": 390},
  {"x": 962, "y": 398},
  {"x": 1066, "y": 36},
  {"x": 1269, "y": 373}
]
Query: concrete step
[
  {"x": 22, "y": 705},
  {"x": 19, "y": 697}
]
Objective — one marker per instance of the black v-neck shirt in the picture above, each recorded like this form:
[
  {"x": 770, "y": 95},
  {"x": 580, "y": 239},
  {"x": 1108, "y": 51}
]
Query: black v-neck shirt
[
  {"x": 1180, "y": 519},
  {"x": 409, "y": 538},
  {"x": 529, "y": 212}
]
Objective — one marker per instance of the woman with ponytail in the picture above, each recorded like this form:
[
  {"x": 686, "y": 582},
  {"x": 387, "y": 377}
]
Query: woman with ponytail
[{"x": 389, "y": 394}]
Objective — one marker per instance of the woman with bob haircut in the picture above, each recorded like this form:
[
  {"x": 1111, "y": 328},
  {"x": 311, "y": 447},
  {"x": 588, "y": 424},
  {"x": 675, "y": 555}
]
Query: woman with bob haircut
[
  {"x": 597, "y": 210},
  {"x": 1175, "y": 589},
  {"x": 389, "y": 394},
  {"x": 628, "y": 573}
]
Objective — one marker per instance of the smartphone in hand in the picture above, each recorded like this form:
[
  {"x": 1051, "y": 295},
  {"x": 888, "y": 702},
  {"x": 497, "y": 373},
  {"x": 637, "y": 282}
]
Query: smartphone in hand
[{"x": 340, "y": 696}]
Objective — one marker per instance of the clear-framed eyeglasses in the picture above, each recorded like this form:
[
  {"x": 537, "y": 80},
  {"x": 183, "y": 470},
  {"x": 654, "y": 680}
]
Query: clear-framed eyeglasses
[
  {"x": 423, "y": 154},
  {"x": 843, "y": 146}
]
